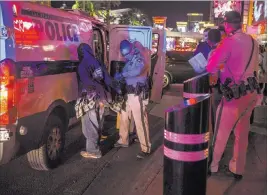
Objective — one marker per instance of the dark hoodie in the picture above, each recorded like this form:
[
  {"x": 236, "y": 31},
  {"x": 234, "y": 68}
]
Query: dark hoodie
[{"x": 89, "y": 64}]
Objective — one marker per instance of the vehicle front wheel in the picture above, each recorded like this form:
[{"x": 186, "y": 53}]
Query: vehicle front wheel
[
  {"x": 166, "y": 81},
  {"x": 48, "y": 156}
]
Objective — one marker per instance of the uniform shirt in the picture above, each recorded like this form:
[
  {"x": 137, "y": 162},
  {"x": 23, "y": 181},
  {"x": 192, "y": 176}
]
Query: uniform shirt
[
  {"x": 133, "y": 70},
  {"x": 203, "y": 48},
  {"x": 233, "y": 53}
]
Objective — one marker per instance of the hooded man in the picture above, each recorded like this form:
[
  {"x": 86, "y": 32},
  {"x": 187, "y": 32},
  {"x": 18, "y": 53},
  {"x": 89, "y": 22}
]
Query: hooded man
[{"x": 95, "y": 84}]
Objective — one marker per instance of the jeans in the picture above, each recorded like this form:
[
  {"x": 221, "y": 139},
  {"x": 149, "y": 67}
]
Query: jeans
[{"x": 91, "y": 130}]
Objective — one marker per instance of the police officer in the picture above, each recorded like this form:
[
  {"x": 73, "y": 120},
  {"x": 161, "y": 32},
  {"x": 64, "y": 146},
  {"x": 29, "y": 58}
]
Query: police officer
[
  {"x": 94, "y": 79},
  {"x": 135, "y": 74},
  {"x": 236, "y": 57}
]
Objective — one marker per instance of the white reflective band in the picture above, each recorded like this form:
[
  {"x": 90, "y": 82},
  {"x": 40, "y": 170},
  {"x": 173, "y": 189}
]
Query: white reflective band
[
  {"x": 186, "y": 156},
  {"x": 193, "y": 95},
  {"x": 186, "y": 138}
]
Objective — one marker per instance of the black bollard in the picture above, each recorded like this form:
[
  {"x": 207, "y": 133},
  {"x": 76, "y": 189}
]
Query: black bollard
[
  {"x": 186, "y": 147},
  {"x": 196, "y": 86}
]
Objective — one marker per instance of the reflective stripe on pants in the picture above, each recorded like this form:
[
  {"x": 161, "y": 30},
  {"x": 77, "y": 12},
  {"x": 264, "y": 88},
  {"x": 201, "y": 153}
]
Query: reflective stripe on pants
[{"x": 235, "y": 116}]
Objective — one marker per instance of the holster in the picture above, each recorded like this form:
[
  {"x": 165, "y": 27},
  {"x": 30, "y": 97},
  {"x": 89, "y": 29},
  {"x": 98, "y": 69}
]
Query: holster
[
  {"x": 243, "y": 88},
  {"x": 226, "y": 90},
  {"x": 235, "y": 91},
  {"x": 253, "y": 84}
]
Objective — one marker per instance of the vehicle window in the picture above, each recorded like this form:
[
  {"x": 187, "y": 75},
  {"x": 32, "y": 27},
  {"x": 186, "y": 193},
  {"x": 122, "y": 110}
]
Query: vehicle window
[
  {"x": 155, "y": 43},
  {"x": 98, "y": 45}
]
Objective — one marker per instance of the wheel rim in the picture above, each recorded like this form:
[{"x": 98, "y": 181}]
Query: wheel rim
[
  {"x": 165, "y": 81},
  {"x": 54, "y": 143}
]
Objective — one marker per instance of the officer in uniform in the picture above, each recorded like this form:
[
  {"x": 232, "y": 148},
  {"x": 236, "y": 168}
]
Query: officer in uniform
[
  {"x": 236, "y": 57},
  {"x": 135, "y": 74}
]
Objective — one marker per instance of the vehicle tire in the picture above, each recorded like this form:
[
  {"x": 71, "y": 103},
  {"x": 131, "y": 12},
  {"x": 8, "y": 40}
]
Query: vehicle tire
[
  {"x": 48, "y": 156},
  {"x": 166, "y": 81}
]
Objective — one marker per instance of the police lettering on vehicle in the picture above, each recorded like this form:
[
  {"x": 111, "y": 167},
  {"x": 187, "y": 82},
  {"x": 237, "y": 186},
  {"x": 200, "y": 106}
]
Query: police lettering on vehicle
[{"x": 55, "y": 30}]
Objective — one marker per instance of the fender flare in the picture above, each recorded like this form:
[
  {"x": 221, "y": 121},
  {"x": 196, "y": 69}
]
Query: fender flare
[{"x": 57, "y": 103}]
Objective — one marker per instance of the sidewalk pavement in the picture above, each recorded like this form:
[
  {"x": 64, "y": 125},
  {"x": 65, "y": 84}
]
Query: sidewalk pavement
[
  {"x": 255, "y": 177},
  {"x": 253, "y": 183}
]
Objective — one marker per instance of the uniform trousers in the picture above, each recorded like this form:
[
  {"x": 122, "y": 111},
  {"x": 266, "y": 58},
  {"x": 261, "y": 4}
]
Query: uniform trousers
[
  {"x": 137, "y": 108},
  {"x": 233, "y": 116}
]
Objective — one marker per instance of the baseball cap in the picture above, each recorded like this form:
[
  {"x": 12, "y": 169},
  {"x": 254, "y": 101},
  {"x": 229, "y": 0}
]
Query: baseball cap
[{"x": 232, "y": 17}]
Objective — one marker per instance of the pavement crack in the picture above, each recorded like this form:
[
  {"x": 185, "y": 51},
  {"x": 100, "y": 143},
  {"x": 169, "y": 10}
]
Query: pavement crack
[
  {"x": 98, "y": 173},
  {"x": 153, "y": 179}
]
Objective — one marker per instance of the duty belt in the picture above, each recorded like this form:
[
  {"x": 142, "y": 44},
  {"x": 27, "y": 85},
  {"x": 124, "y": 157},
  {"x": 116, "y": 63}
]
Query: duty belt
[
  {"x": 140, "y": 89},
  {"x": 130, "y": 89},
  {"x": 236, "y": 91}
]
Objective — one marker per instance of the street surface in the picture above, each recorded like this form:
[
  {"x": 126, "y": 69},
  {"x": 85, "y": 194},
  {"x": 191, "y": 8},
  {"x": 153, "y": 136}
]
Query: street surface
[{"x": 118, "y": 172}]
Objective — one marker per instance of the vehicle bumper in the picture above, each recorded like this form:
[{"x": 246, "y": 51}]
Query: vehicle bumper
[{"x": 8, "y": 147}]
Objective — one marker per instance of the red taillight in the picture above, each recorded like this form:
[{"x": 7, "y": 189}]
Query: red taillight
[{"x": 7, "y": 93}]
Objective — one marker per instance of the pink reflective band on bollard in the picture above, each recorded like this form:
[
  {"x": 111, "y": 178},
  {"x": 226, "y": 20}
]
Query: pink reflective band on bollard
[
  {"x": 186, "y": 156},
  {"x": 186, "y": 138},
  {"x": 193, "y": 95}
]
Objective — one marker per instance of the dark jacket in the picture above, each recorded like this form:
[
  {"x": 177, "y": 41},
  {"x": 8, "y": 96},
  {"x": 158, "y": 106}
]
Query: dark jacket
[
  {"x": 88, "y": 82},
  {"x": 203, "y": 48}
]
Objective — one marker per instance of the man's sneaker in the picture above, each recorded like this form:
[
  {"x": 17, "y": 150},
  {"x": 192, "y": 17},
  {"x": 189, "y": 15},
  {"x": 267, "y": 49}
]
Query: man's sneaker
[
  {"x": 90, "y": 155},
  {"x": 118, "y": 145},
  {"x": 142, "y": 155}
]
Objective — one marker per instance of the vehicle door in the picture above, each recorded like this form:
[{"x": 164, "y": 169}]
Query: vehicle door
[
  {"x": 118, "y": 33},
  {"x": 158, "y": 63}
]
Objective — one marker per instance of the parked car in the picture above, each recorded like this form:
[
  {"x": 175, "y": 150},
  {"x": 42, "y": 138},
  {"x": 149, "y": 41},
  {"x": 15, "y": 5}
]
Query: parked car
[{"x": 177, "y": 68}]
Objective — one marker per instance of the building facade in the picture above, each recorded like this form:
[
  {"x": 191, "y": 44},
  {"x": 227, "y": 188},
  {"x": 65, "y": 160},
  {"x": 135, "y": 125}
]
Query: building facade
[
  {"x": 159, "y": 22},
  {"x": 255, "y": 19},
  {"x": 194, "y": 20}
]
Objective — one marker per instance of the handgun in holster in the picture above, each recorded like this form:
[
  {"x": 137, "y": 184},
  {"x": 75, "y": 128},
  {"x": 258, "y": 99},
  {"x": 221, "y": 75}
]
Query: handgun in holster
[
  {"x": 235, "y": 91},
  {"x": 243, "y": 88},
  {"x": 226, "y": 90}
]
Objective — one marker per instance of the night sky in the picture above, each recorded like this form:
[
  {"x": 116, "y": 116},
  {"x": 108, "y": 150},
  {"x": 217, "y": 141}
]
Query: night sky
[{"x": 173, "y": 10}]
